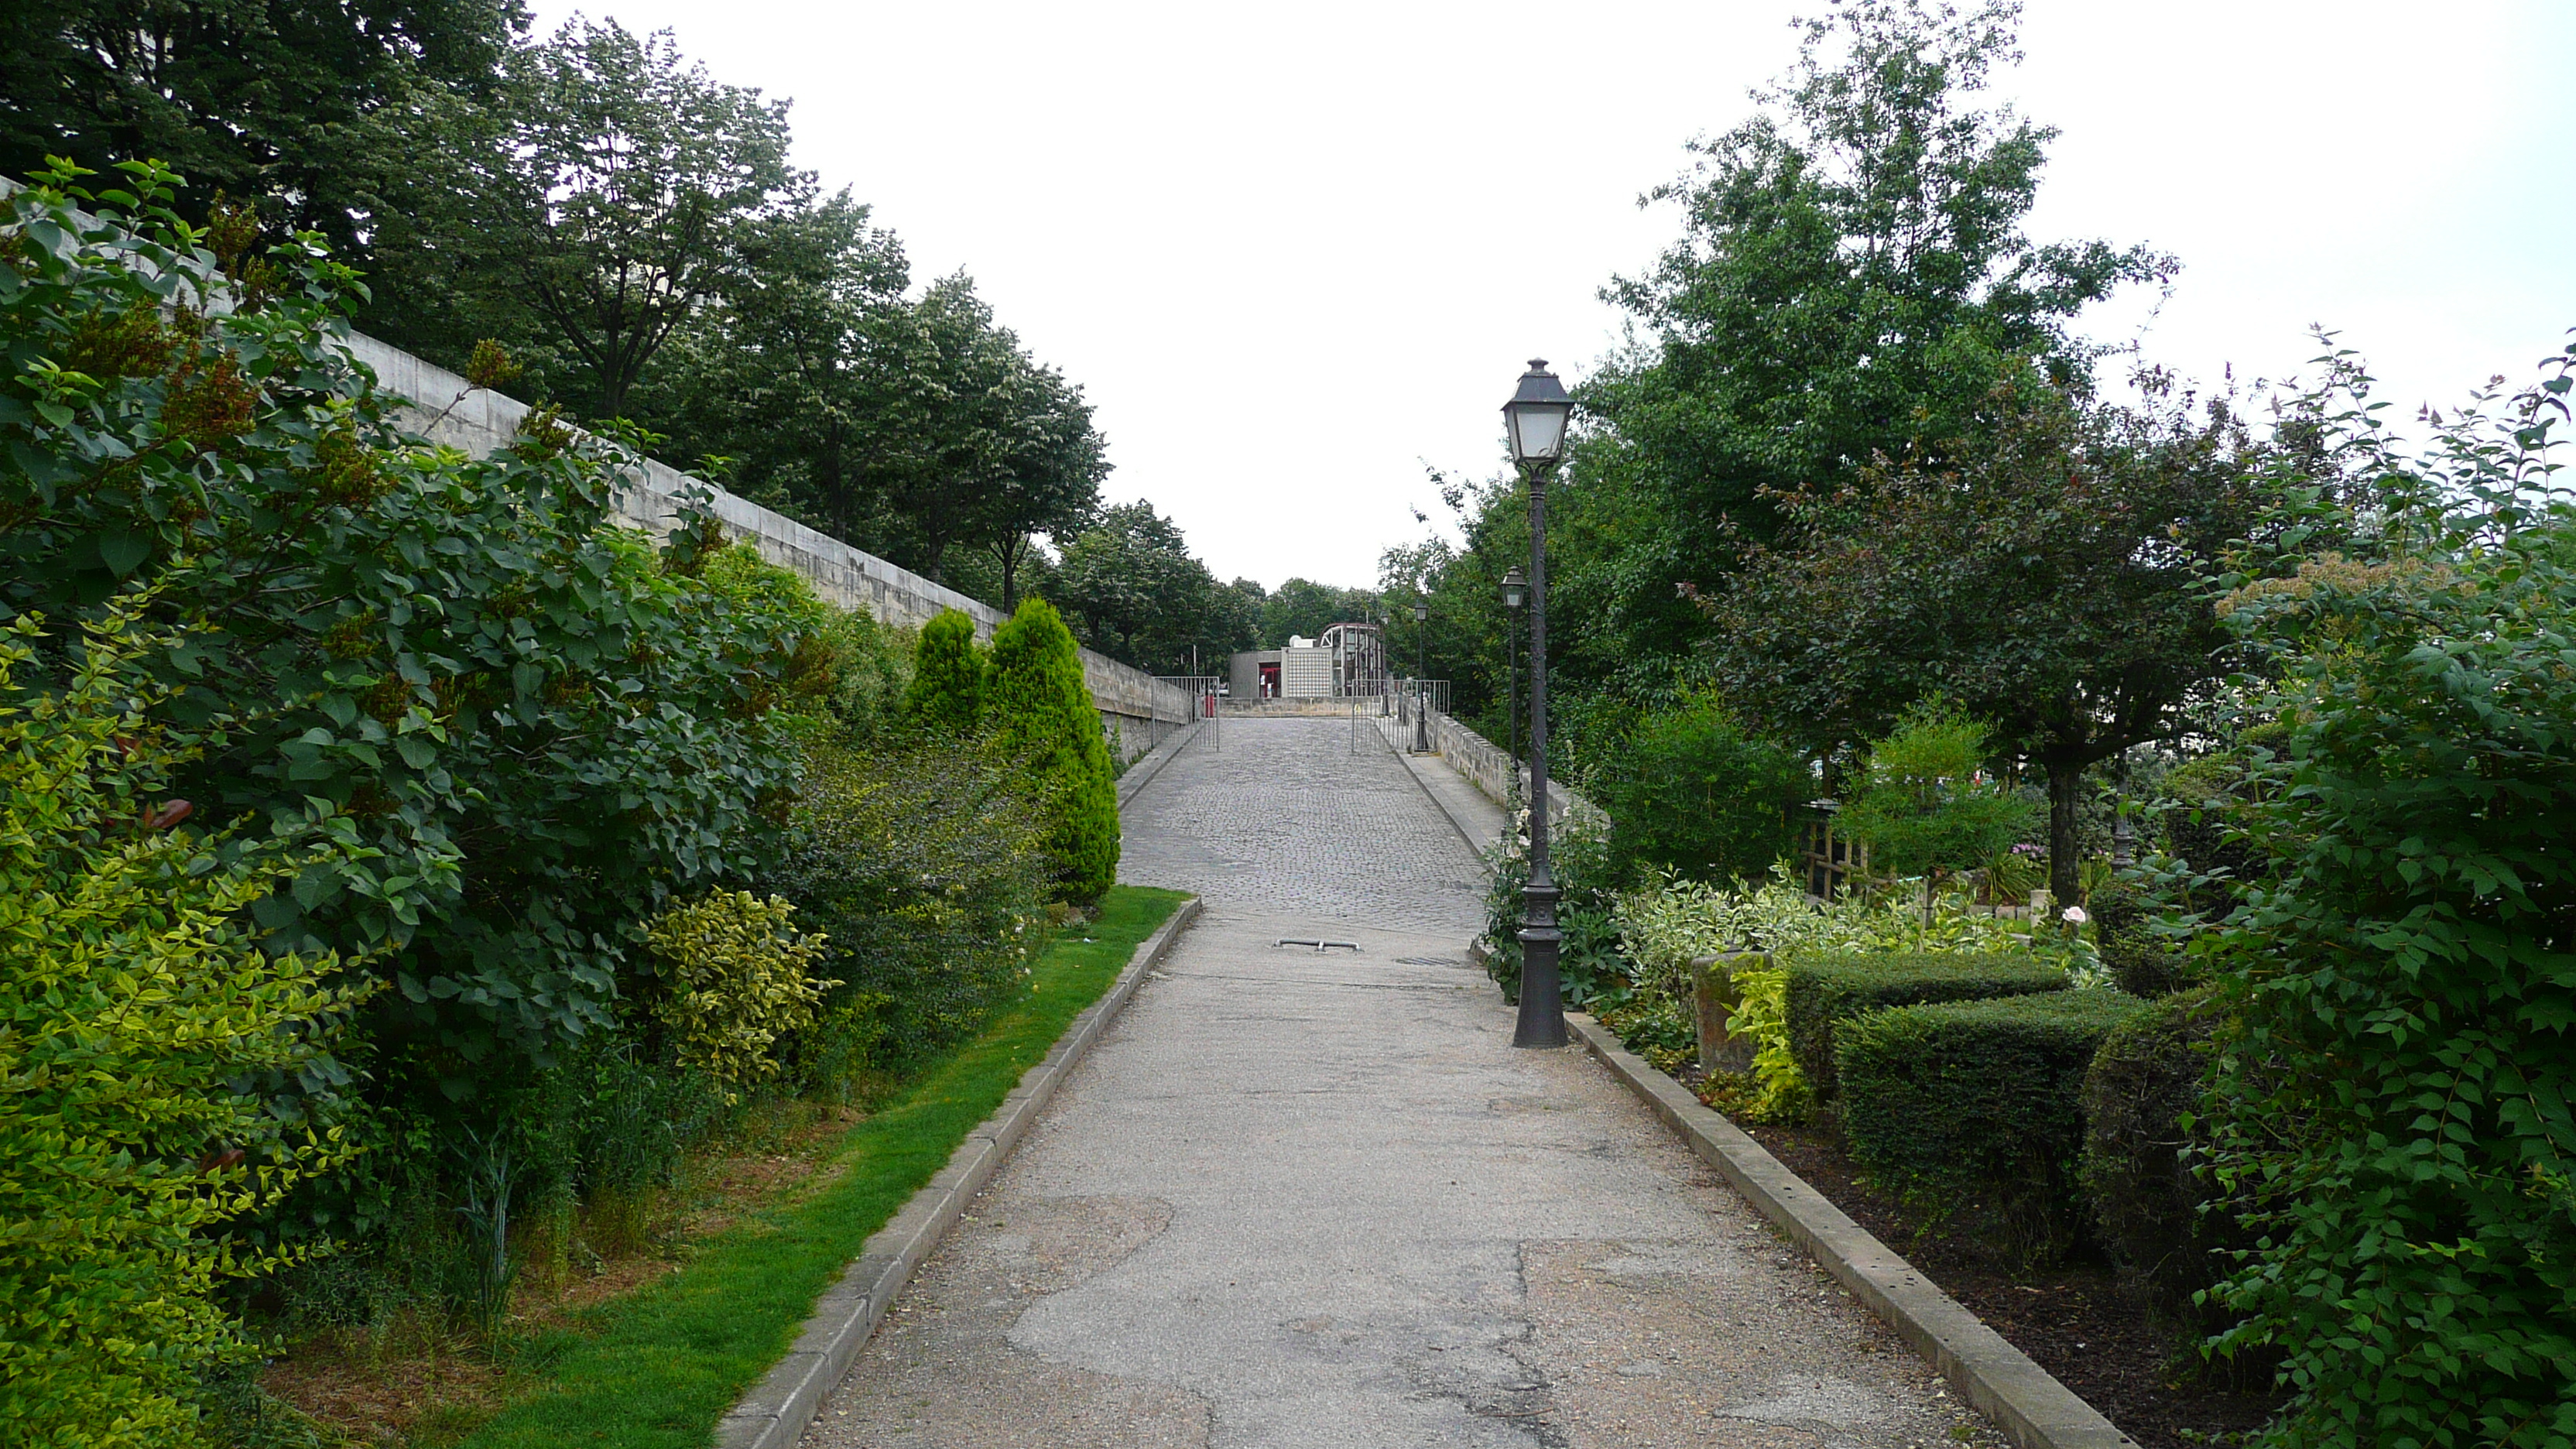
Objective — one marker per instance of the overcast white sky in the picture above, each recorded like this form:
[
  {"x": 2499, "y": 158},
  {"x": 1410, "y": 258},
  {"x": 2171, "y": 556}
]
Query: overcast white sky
[{"x": 1293, "y": 252}]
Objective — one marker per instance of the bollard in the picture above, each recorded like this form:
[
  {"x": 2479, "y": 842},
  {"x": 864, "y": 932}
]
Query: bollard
[{"x": 1713, "y": 994}]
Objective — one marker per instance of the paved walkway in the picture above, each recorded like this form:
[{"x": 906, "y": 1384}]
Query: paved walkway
[{"x": 1296, "y": 1201}]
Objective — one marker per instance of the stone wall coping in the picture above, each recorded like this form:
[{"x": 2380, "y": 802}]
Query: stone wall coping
[{"x": 477, "y": 420}]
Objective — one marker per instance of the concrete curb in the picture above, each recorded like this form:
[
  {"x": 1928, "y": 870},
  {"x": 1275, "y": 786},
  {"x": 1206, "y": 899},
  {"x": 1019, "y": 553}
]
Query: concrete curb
[
  {"x": 1151, "y": 763},
  {"x": 1999, "y": 1380},
  {"x": 774, "y": 1413}
]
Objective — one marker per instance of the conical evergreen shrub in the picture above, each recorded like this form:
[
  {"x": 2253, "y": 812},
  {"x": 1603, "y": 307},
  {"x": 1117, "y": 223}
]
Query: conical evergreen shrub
[
  {"x": 1043, "y": 717},
  {"x": 949, "y": 675}
]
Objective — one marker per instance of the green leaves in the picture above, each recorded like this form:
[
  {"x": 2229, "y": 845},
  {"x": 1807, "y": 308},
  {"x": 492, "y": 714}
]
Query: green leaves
[
  {"x": 139, "y": 1016},
  {"x": 1925, "y": 805},
  {"x": 525, "y": 732},
  {"x": 2393, "y": 1121},
  {"x": 1043, "y": 718}
]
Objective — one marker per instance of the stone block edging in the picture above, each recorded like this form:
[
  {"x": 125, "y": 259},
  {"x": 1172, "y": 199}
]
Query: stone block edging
[
  {"x": 2032, "y": 1408},
  {"x": 774, "y": 1413},
  {"x": 1151, "y": 763}
]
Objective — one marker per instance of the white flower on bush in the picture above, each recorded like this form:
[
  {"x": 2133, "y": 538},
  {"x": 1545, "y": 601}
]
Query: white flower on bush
[{"x": 2074, "y": 916}]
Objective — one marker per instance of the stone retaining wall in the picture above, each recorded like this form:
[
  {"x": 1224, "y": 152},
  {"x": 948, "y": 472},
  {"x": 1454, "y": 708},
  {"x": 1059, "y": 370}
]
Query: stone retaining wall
[
  {"x": 1504, "y": 780},
  {"x": 1136, "y": 710}
]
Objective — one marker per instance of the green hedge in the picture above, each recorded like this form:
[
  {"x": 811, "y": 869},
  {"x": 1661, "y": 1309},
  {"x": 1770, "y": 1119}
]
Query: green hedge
[
  {"x": 2137, "y": 1176},
  {"x": 1966, "y": 1103},
  {"x": 1825, "y": 990}
]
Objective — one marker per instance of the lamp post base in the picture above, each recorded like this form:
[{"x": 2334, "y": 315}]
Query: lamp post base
[{"x": 1542, "y": 1018}]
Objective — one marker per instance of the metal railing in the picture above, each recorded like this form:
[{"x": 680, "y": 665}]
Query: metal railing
[
  {"x": 1208, "y": 701},
  {"x": 1411, "y": 694}
]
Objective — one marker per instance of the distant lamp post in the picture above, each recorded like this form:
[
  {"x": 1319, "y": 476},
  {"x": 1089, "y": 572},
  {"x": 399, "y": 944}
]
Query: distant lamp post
[
  {"x": 1515, "y": 598},
  {"x": 1534, "y": 422},
  {"x": 1385, "y": 667},
  {"x": 1421, "y": 667}
]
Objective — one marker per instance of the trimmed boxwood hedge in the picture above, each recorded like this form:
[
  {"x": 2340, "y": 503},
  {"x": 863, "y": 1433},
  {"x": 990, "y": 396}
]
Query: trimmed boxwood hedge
[
  {"x": 1979, "y": 1102},
  {"x": 2137, "y": 1177},
  {"x": 1826, "y": 989}
]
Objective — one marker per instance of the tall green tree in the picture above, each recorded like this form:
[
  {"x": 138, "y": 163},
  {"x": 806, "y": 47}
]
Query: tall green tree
[
  {"x": 1306, "y": 608},
  {"x": 1048, "y": 482},
  {"x": 1043, "y": 718},
  {"x": 1137, "y": 594},
  {"x": 636, "y": 183},
  {"x": 271, "y": 102},
  {"x": 796, "y": 373},
  {"x": 1852, "y": 277}
]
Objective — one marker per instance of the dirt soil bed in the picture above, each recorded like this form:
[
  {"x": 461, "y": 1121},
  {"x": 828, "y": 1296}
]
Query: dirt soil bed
[{"x": 2074, "y": 1321}]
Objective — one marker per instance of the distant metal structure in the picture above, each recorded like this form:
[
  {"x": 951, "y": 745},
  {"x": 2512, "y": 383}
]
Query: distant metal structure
[{"x": 1358, "y": 653}]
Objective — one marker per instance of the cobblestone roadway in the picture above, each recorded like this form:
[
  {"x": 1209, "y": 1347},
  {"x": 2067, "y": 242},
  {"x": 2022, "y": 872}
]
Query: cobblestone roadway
[
  {"x": 1299, "y": 1202},
  {"x": 1286, "y": 819}
]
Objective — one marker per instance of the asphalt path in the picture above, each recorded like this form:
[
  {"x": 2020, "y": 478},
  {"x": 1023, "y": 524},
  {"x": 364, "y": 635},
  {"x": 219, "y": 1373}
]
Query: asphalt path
[{"x": 1296, "y": 1199}]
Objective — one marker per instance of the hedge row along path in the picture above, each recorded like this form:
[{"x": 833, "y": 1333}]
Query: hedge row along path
[{"x": 1297, "y": 1200}]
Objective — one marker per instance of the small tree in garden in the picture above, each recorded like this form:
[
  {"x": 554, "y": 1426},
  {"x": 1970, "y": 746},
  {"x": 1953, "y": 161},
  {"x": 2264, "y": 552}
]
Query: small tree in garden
[
  {"x": 1043, "y": 716},
  {"x": 1925, "y": 806},
  {"x": 948, "y": 676}
]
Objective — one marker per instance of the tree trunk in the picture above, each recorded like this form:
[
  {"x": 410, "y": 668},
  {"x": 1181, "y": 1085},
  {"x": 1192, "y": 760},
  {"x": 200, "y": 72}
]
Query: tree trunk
[{"x": 2065, "y": 794}]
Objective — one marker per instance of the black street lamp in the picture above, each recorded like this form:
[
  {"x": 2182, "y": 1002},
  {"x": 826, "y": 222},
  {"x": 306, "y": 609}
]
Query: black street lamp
[
  {"x": 1421, "y": 667},
  {"x": 1515, "y": 597},
  {"x": 1534, "y": 421}
]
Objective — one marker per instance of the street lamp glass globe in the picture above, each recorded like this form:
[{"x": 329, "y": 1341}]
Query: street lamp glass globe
[
  {"x": 1535, "y": 417},
  {"x": 1422, "y": 612},
  {"x": 1515, "y": 588}
]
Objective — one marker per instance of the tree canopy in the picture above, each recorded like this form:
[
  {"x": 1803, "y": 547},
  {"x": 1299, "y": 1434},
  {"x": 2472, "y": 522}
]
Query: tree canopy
[{"x": 2043, "y": 573}]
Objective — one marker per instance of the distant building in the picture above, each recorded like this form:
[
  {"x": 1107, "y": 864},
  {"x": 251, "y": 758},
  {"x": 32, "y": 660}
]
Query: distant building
[{"x": 1348, "y": 661}]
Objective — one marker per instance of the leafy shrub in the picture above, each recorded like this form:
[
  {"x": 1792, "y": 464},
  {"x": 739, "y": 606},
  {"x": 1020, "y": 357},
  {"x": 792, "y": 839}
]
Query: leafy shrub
[
  {"x": 828, "y": 663},
  {"x": 1692, "y": 792},
  {"x": 1044, "y": 720},
  {"x": 2152, "y": 1211},
  {"x": 139, "y": 1022},
  {"x": 1665, "y": 925},
  {"x": 736, "y": 978},
  {"x": 1589, "y": 963},
  {"x": 533, "y": 730},
  {"x": 926, "y": 871},
  {"x": 2142, "y": 963},
  {"x": 1761, "y": 1016},
  {"x": 2398, "y": 1120},
  {"x": 948, "y": 677},
  {"x": 1977, "y": 1104},
  {"x": 1654, "y": 1027},
  {"x": 1821, "y": 991}
]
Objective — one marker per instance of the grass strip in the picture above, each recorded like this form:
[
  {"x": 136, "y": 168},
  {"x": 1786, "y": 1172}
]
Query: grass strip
[{"x": 655, "y": 1370}]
